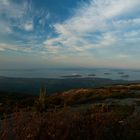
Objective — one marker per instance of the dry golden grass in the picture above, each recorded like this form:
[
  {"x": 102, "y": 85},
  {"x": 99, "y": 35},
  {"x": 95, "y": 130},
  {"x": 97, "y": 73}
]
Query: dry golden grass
[
  {"x": 61, "y": 120},
  {"x": 95, "y": 123}
]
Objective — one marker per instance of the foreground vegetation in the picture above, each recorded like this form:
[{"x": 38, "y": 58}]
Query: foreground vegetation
[
  {"x": 84, "y": 114},
  {"x": 92, "y": 124}
]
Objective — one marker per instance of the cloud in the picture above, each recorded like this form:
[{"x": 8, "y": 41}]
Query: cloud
[
  {"x": 22, "y": 16},
  {"x": 22, "y": 22},
  {"x": 5, "y": 28},
  {"x": 29, "y": 26},
  {"x": 15, "y": 48},
  {"x": 4, "y": 46},
  {"x": 97, "y": 24}
]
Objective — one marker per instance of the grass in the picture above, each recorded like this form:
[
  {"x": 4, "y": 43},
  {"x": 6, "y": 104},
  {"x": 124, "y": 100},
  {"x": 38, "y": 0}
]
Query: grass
[
  {"x": 61, "y": 120},
  {"x": 94, "y": 123}
]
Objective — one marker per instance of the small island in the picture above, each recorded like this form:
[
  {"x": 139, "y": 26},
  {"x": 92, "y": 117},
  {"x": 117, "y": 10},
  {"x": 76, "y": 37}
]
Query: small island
[
  {"x": 120, "y": 73},
  {"x": 72, "y": 76},
  {"x": 107, "y": 73},
  {"x": 92, "y": 75},
  {"x": 125, "y": 76}
]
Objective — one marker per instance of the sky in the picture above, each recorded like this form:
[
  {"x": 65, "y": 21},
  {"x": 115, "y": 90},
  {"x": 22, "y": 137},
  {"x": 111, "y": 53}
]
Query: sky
[{"x": 69, "y": 33}]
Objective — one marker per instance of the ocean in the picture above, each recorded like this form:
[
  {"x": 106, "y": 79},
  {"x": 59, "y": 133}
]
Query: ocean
[{"x": 114, "y": 74}]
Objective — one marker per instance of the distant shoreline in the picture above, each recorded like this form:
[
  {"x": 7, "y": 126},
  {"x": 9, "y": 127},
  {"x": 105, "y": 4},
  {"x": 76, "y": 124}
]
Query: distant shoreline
[{"x": 55, "y": 85}]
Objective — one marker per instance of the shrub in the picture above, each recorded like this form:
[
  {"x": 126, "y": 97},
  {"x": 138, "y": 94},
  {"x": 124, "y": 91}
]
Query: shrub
[{"x": 40, "y": 104}]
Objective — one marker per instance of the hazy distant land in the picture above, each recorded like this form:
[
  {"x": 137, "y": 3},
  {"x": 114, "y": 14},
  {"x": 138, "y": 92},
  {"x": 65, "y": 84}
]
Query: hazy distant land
[{"x": 53, "y": 85}]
